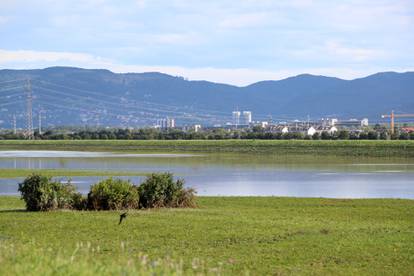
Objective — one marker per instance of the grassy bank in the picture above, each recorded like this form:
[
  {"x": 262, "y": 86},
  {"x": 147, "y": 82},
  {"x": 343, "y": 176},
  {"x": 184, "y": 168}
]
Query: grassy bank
[
  {"x": 231, "y": 235},
  {"x": 397, "y": 148},
  {"x": 8, "y": 173}
]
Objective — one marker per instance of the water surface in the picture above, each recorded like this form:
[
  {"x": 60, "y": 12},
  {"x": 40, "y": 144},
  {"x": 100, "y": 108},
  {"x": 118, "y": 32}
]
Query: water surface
[{"x": 235, "y": 175}]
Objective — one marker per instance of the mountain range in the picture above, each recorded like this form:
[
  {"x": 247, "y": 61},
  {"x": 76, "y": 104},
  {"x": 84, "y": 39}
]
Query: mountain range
[{"x": 75, "y": 96}]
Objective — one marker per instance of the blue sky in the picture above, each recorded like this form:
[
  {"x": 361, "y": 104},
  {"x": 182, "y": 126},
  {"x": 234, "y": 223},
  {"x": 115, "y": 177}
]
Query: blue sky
[{"x": 237, "y": 42}]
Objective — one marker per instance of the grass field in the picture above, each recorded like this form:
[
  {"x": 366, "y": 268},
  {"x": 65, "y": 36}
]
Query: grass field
[
  {"x": 8, "y": 173},
  {"x": 396, "y": 148},
  {"x": 228, "y": 235}
]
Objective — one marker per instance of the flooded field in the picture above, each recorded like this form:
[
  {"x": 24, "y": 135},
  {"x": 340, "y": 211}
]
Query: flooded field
[{"x": 234, "y": 175}]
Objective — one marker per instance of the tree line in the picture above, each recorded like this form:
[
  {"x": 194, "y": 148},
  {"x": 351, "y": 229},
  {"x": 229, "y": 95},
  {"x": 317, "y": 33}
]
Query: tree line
[{"x": 376, "y": 133}]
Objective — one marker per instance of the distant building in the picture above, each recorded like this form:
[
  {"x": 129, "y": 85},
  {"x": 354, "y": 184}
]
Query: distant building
[
  {"x": 353, "y": 123},
  {"x": 407, "y": 129},
  {"x": 285, "y": 129},
  {"x": 332, "y": 130},
  {"x": 333, "y": 122},
  {"x": 166, "y": 123},
  {"x": 247, "y": 116},
  {"x": 311, "y": 131},
  {"x": 264, "y": 124},
  {"x": 197, "y": 128},
  {"x": 236, "y": 117}
]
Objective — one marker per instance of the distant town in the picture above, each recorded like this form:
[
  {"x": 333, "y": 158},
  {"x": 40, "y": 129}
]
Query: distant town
[{"x": 242, "y": 126}]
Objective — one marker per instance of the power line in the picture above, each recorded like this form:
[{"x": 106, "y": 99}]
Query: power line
[
  {"x": 117, "y": 107},
  {"x": 144, "y": 102},
  {"x": 11, "y": 96},
  {"x": 12, "y": 88},
  {"x": 8, "y": 81},
  {"x": 10, "y": 103}
]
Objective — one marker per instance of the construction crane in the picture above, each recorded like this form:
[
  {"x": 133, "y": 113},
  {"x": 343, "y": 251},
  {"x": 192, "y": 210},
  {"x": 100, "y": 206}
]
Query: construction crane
[{"x": 392, "y": 116}]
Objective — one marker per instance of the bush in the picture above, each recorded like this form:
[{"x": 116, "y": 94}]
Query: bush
[
  {"x": 160, "y": 190},
  {"x": 40, "y": 193},
  {"x": 113, "y": 194}
]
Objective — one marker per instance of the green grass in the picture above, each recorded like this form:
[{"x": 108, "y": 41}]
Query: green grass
[
  {"x": 344, "y": 148},
  {"x": 230, "y": 235},
  {"x": 8, "y": 173}
]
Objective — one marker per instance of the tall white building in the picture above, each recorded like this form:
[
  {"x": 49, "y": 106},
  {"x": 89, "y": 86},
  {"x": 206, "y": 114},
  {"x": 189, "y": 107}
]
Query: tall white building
[
  {"x": 236, "y": 117},
  {"x": 166, "y": 123},
  {"x": 247, "y": 116}
]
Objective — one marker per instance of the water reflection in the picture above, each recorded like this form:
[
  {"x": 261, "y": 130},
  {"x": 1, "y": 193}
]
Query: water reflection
[{"x": 243, "y": 175}]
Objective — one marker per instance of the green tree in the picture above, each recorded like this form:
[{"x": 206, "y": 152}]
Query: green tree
[{"x": 343, "y": 135}]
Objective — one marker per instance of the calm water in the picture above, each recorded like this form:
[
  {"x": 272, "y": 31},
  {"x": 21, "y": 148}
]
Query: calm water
[{"x": 236, "y": 175}]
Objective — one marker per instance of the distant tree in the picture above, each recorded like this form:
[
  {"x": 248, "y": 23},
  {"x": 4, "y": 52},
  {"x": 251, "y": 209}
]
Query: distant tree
[
  {"x": 395, "y": 135},
  {"x": 316, "y": 136},
  {"x": 353, "y": 135},
  {"x": 258, "y": 129},
  {"x": 298, "y": 135},
  {"x": 373, "y": 135},
  {"x": 404, "y": 136},
  {"x": 384, "y": 135},
  {"x": 325, "y": 135},
  {"x": 343, "y": 135}
]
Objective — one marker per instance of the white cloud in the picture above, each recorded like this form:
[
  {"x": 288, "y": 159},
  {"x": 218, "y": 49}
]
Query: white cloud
[
  {"x": 244, "y": 20},
  {"x": 357, "y": 54},
  {"x": 4, "y": 19},
  {"x": 340, "y": 53},
  {"x": 174, "y": 38},
  {"x": 360, "y": 15},
  {"x": 22, "y": 56}
]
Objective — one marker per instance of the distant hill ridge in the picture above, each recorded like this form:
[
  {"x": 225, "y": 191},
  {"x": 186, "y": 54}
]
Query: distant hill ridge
[{"x": 73, "y": 96}]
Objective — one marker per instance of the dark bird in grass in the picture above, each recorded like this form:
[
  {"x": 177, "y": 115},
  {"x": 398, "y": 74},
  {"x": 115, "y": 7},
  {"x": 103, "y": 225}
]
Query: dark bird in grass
[{"x": 122, "y": 217}]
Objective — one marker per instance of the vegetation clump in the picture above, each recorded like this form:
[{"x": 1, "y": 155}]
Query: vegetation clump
[
  {"x": 113, "y": 194},
  {"x": 42, "y": 194},
  {"x": 160, "y": 190}
]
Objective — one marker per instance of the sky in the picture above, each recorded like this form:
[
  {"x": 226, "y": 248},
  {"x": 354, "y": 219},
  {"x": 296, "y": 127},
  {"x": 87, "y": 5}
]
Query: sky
[{"x": 236, "y": 42}]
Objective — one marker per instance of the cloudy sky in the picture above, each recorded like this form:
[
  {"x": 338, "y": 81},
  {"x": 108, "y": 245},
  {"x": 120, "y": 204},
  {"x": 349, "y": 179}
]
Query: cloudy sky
[{"x": 229, "y": 41}]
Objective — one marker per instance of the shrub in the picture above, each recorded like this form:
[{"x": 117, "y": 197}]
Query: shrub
[
  {"x": 113, "y": 194},
  {"x": 160, "y": 190},
  {"x": 186, "y": 198},
  {"x": 40, "y": 193},
  {"x": 79, "y": 202}
]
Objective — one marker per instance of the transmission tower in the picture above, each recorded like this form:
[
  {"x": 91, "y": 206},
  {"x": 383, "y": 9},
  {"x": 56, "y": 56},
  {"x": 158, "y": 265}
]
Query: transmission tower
[
  {"x": 14, "y": 124},
  {"x": 40, "y": 121},
  {"x": 29, "y": 111}
]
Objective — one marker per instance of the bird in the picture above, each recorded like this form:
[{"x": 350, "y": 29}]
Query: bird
[{"x": 122, "y": 217}]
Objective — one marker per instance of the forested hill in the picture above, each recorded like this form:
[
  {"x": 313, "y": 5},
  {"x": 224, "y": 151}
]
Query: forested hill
[{"x": 74, "y": 96}]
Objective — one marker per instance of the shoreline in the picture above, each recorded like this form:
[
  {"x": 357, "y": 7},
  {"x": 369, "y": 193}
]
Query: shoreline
[{"x": 343, "y": 148}]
